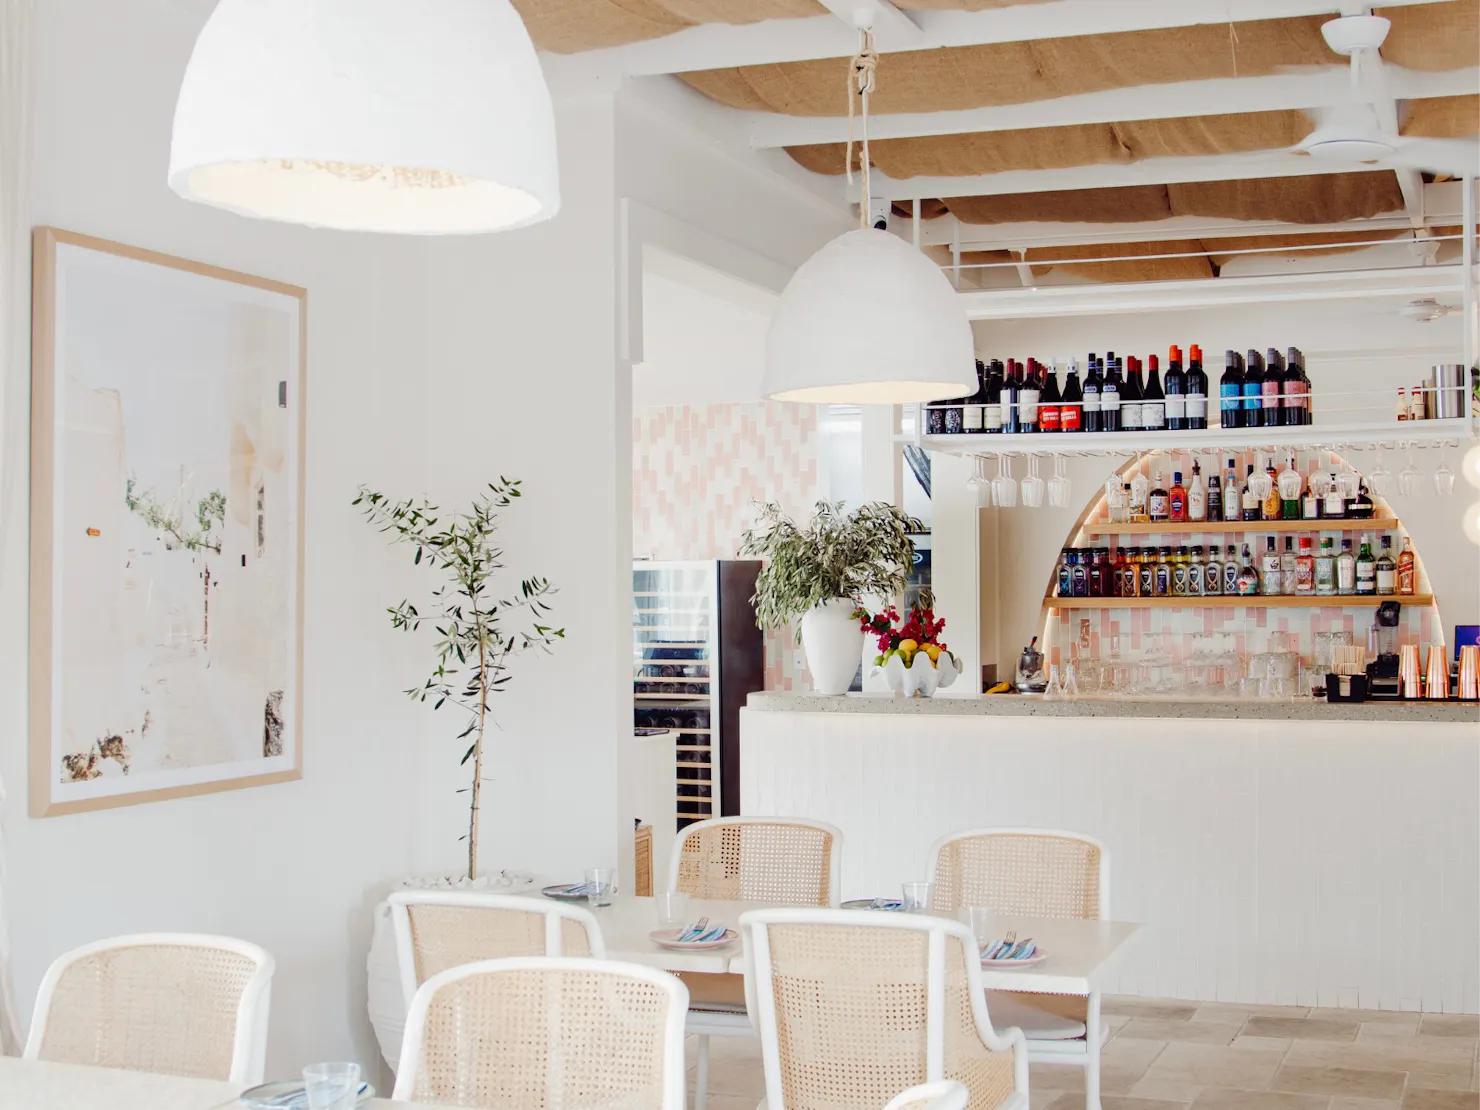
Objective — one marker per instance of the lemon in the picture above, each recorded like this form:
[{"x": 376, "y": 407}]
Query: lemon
[
  {"x": 908, "y": 646},
  {"x": 933, "y": 650}
]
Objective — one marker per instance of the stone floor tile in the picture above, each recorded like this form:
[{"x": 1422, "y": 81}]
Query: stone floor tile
[
  {"x": 1232, "y": 1011},
  {"x": 1171, "y": 1029},
  {"x": 1043, "y": 1098},
  {"x": 1243, "y": 1067},
  {"x": 1130, "y": 1055},
  {"x": 1055, "y": 1077},
  {"x": 1396, "y": 1025},
  {"x": 1156, "y": 1090},
  {"x": 1225, "y": 1098},
  {"x": 1346, "y": 1102},
  {"x": 1449, "y": 1025},
  {"x": 1438, "y": 1055},
  {"x": 1419, "y": 1098},
  {"x": 1132, "y": 1006},
  {"x": 736, "y": 1077},
  {"x": 1301, "y": 1029},
  {"x": 1434, "y": 1081},
  {"x": 1397, "y": 1017},
  {"x": 1355, "y": 1082},
  {"x": 1130, "y": 1102},
  {"x": 1281, "y": 1043}
]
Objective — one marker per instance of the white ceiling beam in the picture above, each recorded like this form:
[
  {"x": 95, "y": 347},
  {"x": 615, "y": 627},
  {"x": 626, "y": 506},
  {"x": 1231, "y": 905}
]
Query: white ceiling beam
[
  {"x": 718, "y": 45},
  {"x": 1151, "y": 171},
  {"x": 887, "y": 22},
  {"x": 1218, "y": 96}
]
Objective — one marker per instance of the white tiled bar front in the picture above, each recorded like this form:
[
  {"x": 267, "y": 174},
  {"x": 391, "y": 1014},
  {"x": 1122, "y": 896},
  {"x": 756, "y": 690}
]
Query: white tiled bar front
[{"x": 1312, "y": 861}]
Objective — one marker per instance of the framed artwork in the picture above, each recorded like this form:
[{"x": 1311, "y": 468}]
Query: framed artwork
[{"x": 167, "y": 439}]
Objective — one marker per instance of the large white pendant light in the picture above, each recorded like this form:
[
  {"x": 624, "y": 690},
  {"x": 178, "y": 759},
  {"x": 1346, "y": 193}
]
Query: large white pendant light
[
  {"x": 415, "y": 116},
  {"x": 868, "y": 319}
]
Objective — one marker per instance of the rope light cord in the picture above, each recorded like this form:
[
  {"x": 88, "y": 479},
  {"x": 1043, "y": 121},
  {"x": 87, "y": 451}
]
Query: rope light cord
[{"x": 862, "y": 79}]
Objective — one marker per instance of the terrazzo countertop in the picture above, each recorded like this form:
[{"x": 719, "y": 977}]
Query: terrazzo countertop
[{"x": 1016, "y": 705}]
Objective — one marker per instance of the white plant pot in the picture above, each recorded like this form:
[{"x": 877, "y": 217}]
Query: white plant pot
[
  {"x": 921, "y": 678},
  {"x": 833, "y": 642}
]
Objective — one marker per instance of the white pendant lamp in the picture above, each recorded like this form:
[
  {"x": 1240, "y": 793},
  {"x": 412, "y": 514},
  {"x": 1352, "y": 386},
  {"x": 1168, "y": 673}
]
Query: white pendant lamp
[
  {"x": 868, "y": 319},
  {"x": 428, "y": 117}
]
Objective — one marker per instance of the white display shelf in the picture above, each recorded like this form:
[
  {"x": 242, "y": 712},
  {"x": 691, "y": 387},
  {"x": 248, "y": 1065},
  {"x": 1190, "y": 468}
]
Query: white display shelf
[{"x": 1332, "y": 436}]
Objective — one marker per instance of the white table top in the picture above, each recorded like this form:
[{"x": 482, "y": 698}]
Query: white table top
[
  {"x": 33, "y": 1085},
  {"x": 1079, "y": 952}
]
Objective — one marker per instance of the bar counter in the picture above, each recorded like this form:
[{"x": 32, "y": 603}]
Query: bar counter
[{"x": 1288, "y": 852}]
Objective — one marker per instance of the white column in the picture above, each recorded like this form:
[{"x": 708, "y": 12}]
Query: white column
[
  {"x": 883, "y": 472},
  {"x": 956, "y": 563}
]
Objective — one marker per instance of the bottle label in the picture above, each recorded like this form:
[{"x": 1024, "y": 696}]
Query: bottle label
[
  {"x": 1069, "y": 418},
  {"x": 1159, "y": 506},
  {"x": 1110, "y": 400},
  {"x": 1387, "y": 580},
  {"x": 953, "y": 421},
  {"x": 1176, "y": 406},
  {"x": 1091, "y": 400},
  {"x": 1253, "y": 395},
  {"x": 1163, "y": 579},
  {"x": 1049, "y": 417},
  {"x": 1230, "y": 576},
  {"x": 1271, "y": 395},
  {"x": 1305, "y": 574},
  {"x": 1130, "y": 415},
  {"x": 1213, "y": 579},
  {"x": 1197, "y": 505},
  {"x": 971, "y": 420},
  {"x": 1311, "y": 507},
  {"x": 1269, "y": 574},
  {"x": 1179, "y": 580},
  {"x": 1197, "y": 406},
  {"x": 1148, "y": 580},
  {"x": 1346, "y": 574},
  {"x": 1153, "y": 415},
  {"x": 1366, "y": 577},
  {"x": 992, "y": 417},
  {"x": 1028, "y": 406},
  {"x": 1407, "y": 578},
  {"x": 1177, "y": 505}
]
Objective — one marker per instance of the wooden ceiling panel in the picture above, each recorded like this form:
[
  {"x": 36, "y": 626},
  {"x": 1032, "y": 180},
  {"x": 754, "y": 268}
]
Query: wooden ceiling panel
[
  {"x": 1433, "y": 37},
  {"x": 571, "y": 26},
  {"x": 1130, "y": 204},
  {"x": 1443, "y": 117}
]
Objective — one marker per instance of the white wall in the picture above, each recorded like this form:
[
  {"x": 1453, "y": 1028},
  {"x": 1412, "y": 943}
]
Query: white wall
[{"x": 432, "y": 368}]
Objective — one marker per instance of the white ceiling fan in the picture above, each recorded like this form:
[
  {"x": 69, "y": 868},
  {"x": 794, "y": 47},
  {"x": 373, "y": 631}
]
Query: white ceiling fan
[{"x": 1363, "y": 129}]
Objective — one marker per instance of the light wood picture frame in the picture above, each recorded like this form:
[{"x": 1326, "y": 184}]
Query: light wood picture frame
[{"x": 168, "y": 429}]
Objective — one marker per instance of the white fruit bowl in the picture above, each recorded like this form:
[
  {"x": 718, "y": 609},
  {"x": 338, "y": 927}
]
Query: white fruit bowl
[{"x": 922, "y": 678}]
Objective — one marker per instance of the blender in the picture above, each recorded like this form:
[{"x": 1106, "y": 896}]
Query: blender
[{"x": 1382, "y": 642}]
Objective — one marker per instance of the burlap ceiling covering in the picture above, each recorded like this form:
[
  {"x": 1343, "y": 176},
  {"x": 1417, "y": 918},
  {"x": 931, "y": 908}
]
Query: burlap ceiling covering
[
  {"x": 1443, "y": 117},
  {"x": 1326, "y": 198},
  {"x": 1048, "y": 148},
  {"x": 1434, "y": 36},
  {"x": 1020, "y": 72}
]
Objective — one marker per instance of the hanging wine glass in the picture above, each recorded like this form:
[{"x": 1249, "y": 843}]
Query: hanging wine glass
[
  {"x": 1033, "y": 485},
  {"x": 979, "y": 485},
  {"x": 1443, "y": 477},
  {"x": 1004, "y": 488},
  {"x": 1261, "y": 485},
  {"x": 1349, "y": 482},
  {"x": 1380, "y": 481},
  {"x": 1059, "y": 487},
  {"x": 1320, "y": 484},
  {"x": 1408, "y": 477}
]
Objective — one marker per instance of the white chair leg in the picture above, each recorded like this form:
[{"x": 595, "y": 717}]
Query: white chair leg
[
  {"x": 701, "y": 1077},
  {"x": 1092, "y": 1052}
]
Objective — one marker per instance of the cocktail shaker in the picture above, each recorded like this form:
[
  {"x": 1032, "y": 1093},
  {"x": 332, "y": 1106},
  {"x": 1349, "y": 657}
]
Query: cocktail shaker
[
  {"x": 1436, "y": 682},
  {"x": 1469, "y": 671},
  {"x": 1408, "y": 672}
]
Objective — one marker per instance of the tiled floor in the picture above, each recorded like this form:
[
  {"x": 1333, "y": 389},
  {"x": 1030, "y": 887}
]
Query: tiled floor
[{"x": 1166, "y": 1055}]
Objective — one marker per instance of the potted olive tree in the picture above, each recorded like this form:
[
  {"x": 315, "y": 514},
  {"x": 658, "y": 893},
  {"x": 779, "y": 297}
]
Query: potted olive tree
[{"x": 821, "y": 572}]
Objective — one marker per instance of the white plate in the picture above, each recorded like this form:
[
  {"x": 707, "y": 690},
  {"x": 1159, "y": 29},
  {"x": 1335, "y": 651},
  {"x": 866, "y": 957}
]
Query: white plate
[
  {"x": 667, "y": 938},
  {"x": 263, "y": 1096},
  {"x": 1036, "y": 958},
  {"x": 873, "y": 904},
  {"x": 563, "y": 892}
]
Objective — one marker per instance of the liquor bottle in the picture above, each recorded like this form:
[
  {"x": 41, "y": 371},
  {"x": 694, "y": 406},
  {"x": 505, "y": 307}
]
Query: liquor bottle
[
  {"x": 1146, "y": 577},
  {"x": 1050, "y": 412},
  {"x": 1361, "y": 506},
  {"x": 955, "y": 415},
  {"x": 1093, "y": 380},
  {"x": 1402, "y": 403},
  {"x": 1230, "y": 391},
  {"x": 1164, "y": 572},
  {"x": 1028, "y": 394},
  {"x": 1081, "y": 574},
  {"x": 1290, "y": 482},
  {"x": 1176, "y": 392},
  {"x": 1130, "y": 397},
  {"x": 1250, "y": 499},
  {"x": 1305, "y": 568},
  {"x": 1231, "y": 508},
  {"x": 1158, "y": 505},
  {"x": 1387, "y": 569},
  {"x": 1066, "y": 574},
  {"x": 1326, "y": 569},
  {"x": 1232, "y": 568},
  {"x": 1289, "y": 565},
  {"x": 974, "y": 410},
  {"x": 1197, "y": 390},
  {"x": 1346, "y": 569},
  {"x": 1366, "y": 569},
  {"x": 1119, "y": 504},
  {"x": 1177, "y": 499},
  {"x": 1333, "y": 505},
  {"x": 1247, "y": 583},
  {"x": 1071, "y": 408},
  {"x": 1140, "y": 497},
  {"x": 1269, "y": 568},
  {"x": 1273, "y": 507},
  {"x": 992, "y": 410},
  {"x": 1310, "y": 504},
  {"x": 1198, "y": 494},
  {"x": 1254, "y": 390},
  {"x": 1407, "y": 569},
  {"x": 1274, "y": 384},
  {"x": 1110, "y": 394},
  {"x": 1196, "y": 573},
  {"x": 1296, "y": 409},
  {"x": 1154, "y": 401},
  {"x": 935, "y": 418},
  {"x": 1012, "y": 385},
  {"x": 1213, "y": 573},
  {"x": 1417, "y": 407},
  {"x": 1180, "y": 580}
]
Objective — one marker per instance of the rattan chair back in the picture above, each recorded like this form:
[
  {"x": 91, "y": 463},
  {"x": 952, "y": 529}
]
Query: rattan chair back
[
  {"x": 785, "y": 861},
  {"x": 557, "y": 1032},
  {"x": 173, "y": 1004},
  {"x": 1022, "y": 872},
  {"x": 853, "y": 1007}
]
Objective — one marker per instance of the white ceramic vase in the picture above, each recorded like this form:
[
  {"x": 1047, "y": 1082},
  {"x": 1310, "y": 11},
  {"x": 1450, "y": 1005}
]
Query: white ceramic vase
[
  {"x": 921, "y": 678},
  {"x": 833, "y": 643}
]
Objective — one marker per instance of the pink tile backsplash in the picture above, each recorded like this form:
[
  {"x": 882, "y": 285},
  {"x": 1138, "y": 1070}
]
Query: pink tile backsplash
[{"x": 696, "y": 472}]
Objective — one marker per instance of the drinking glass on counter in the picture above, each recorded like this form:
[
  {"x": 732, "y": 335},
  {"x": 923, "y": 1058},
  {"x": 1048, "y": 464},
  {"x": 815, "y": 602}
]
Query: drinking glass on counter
[
  {"x": 332, "y": 1086},
  {"x": 601, "y": 884},
  {"x": 916, "y": 896},
  {"x": 980, "y": 920}
]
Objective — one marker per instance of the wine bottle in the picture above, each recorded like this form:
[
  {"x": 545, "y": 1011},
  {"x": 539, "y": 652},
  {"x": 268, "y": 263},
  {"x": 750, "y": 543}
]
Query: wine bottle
[
  {"x": 1050, "y": 411},
  {"x": 1011, "y": 396},
  {"x": 1176, "y": 392},
  {"x": 1297, "y": 389},
  {"x": 1130, "y": 397},
  {"x": 1253, "y": 390},
  {"x": 1197, "y": 390},
  {"x": 1273, "y": 387},
  {"x": 1154, "y": 401},
  {"x": 1110, "y": 394},
  {"x": 992, "y": 410},
  {"x": 955, "y": 415},
  {"x": 1230, "y": 391},
  {"x": 973, "y": 411},
  {"x": 1028, "y": 394},
  {"x": 1071, "y": 408},
  {"x": 1093, "y": 380}
]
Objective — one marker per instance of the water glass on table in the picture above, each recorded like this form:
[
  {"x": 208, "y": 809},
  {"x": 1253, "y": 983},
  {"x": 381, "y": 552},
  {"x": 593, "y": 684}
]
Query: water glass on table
[
  {"x": 673, "y": 908},
  {"x": 916, "y": 896},
  {"x": 980, "y": 920},
  {"x": 601, "y": 884},
  {"x": 332, "y": 1086}
]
